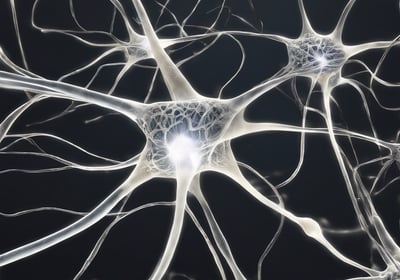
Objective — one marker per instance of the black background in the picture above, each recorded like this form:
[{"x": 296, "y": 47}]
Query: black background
[{"x": 134, "y": 246}]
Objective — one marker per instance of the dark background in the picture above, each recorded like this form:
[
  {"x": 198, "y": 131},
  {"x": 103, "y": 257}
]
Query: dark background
[{"x": 133, "y": 247}]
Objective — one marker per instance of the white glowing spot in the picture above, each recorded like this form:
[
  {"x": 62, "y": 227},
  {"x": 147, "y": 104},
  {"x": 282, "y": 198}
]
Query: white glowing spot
[
  {"x": 322, "y": 61},
  {"x": 183, "y": 151}
]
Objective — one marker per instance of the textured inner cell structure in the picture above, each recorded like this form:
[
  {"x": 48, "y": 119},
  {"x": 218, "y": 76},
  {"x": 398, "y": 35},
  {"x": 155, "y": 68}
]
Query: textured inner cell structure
[{"x": 180, "y": 139}]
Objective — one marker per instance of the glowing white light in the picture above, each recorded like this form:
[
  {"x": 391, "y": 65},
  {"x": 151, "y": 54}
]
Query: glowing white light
[
  {"x": 183, "y": 152},
  {"x": 322, "y": 61}
]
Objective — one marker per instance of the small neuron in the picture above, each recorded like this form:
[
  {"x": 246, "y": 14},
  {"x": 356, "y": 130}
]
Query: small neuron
[
  {"x": 136, "y": 52},
  {"x": 315, "y": 54},
  {"x": 200, "y": 121},
  {"x": 139, "y": 49}
]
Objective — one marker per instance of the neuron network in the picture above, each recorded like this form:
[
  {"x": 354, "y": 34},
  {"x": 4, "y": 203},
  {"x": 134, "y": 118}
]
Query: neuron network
[{"x": 116, "y": 110}]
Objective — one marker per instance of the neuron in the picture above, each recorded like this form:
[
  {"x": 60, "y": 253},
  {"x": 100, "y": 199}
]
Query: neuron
[
  {"x": 321, "y": 58},
  {"x": 191, "y": 134}
]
